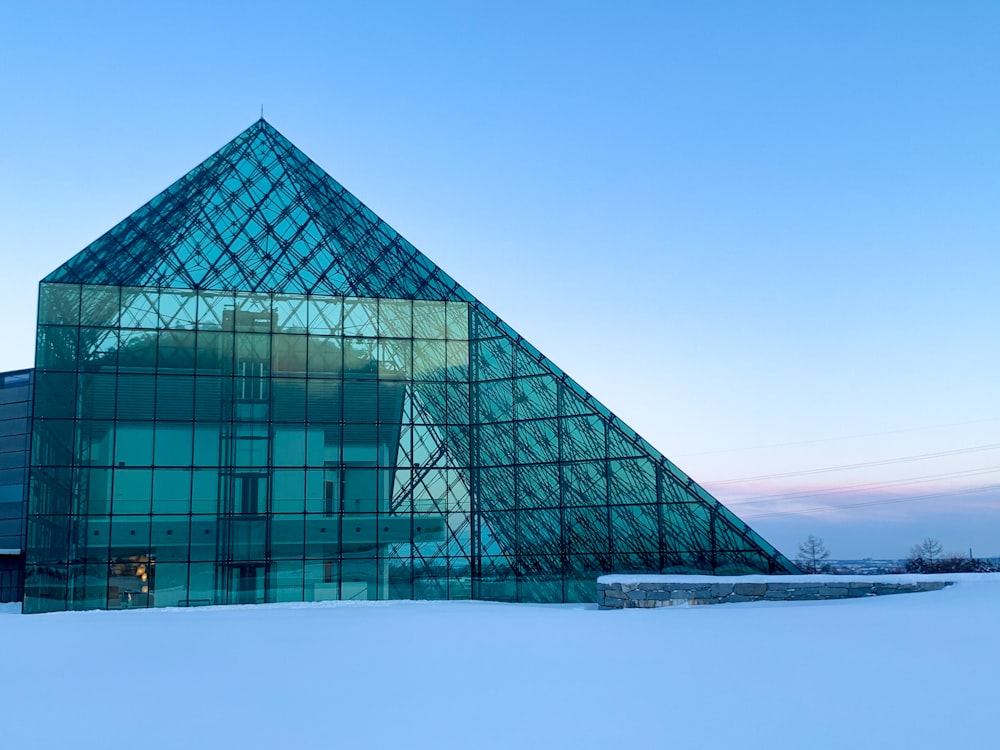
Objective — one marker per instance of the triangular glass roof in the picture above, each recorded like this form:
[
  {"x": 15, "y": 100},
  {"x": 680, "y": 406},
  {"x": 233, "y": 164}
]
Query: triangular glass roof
[{"x": 259, "y": 215}]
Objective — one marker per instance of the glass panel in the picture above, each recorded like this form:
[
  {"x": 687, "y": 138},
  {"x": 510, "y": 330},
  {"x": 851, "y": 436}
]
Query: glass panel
[
  {"x": 634, "y": 528},
  {"x": 587, "y": 530},
  {"x": 325, "y": 355},
  {"x": 176, "y": 351},
  {"x": 132, "y": 491},
  {"x": 212, "y": 399},
  {"x": 99, "y": 349},
  {"x": 492, "y": 402},
  {"x": 178, "y": 309},
  {"x": 204, "y": 533},
  {"x": 56, "y": 348},
  {"x": 169, "y": 584},
  {"x": 535, "y": 397},
  {"x": 429, "y": 320},
  {"x": 201, "y": 582},
  {"x": 173, "y": 444},
  {"x": 252, "y": 313},
  {"x": 396, "y": 358},
  {"x": 129, "y": 536},
  {"x": 322, "y": 581},
  {"x": 171, "y": 491},
  {"x": 322, "y": 536},
  {"x": 395, "y": 318},
  {"x": 291, "y": 313},
  {"x": 207, "y": 445},
  {"x": 632, "y": 481},
  {"x": 458, "y": 404},
  {"x": 59, "y": 304},
  {"x": 288, "y": 355},
  {"x": 286, "y": 581},
  {"x": 360, "y": 358},
  {"x": 51, "y": 442},
  {"x": 205, "y": 491},
  {"x": 139, "y": 308},
  {"x": 585, "y": 483},
  {"x": 289, "y": 446},
  {"x": 88, "y": 586},
  {"x": 429, "y": 360},
  {"x": 287, "y": 535},
  {"x": 137, "y": 350},
  {"x": 288, "y": 400},
  {"x": 55, "y": 394},
  {"x": 360, "y": 317},
  {"x": 175, "y": 397},
  {"x": 457, "y": 353},
  {"x": 93, "y": 492},
  {"x": 169, "y": 538},
  {"x": 496, "y": 488},
  {"x": 326, "y": 316},
  {"x": 212, "y": 307},
  {"x": 495, "y": 443},
  {"x": 458, "y": 320},
  {"x": 99, "y": 306},
  {"x": 582, "y": 438},
  {"x": 492, "y": 359},
  {"x": 537, "y": 441},
  {"x": 133, "y": 444},
  {"x": 214, "y": 353},
  {"x": 527, "y": 360},
  {"x": 97, "y": 395},
  {"x": 538, "y": 486},
  {"x": 289, "y": 487},
  {"x": 325, "y": 400}
]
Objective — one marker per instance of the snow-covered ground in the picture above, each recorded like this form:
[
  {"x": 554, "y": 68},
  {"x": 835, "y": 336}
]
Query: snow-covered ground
[{"x": 910, "y": 671}]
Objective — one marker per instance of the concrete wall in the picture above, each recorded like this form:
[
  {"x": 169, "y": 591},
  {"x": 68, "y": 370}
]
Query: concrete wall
[{"x": 623, "y": 594}]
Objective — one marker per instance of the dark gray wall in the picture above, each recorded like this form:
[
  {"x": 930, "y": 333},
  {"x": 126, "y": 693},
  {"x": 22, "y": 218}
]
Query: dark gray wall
[{"x": 15, "y": 434}]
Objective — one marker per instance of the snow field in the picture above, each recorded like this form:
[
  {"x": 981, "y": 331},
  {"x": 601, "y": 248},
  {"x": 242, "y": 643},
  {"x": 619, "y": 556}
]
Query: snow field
[{"x": 910, "y": 671}]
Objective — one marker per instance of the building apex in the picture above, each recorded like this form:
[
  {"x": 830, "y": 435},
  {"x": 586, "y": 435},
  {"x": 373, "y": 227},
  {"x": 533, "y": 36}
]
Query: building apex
[{"x": 259, "y": 215}]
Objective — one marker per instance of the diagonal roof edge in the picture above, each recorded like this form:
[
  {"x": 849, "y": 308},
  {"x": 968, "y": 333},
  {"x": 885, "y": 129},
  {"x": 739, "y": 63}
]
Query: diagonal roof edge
[{"x": 275, "y": 189}]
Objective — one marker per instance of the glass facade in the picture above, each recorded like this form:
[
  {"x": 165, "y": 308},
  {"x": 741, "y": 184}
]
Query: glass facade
[{"x": 253, "y": 390}]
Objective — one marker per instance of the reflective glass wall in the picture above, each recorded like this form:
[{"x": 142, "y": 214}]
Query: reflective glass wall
[
  {"x": 200, "y": 447},
  {"x": 203, "y": 447},
  {"x": 564, "y": 491}
]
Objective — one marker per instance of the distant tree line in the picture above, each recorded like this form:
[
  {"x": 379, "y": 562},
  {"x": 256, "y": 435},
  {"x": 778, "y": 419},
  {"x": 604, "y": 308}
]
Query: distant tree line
[{"x": 925, "y": 557}]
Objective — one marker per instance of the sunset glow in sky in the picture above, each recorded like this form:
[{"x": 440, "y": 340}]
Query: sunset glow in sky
[{"x": 765, "y": 235}]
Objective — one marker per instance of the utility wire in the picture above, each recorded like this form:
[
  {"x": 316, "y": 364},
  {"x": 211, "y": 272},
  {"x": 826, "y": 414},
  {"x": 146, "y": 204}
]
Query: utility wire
[
  {"x": 854, "y": 488},
  {"x": 871, "y": 503},
  {"x": 844, "y": 467},
  {"x": 834, "y": 439}
]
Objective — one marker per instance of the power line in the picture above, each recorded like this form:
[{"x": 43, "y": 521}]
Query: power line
[
  {"x": 873, "y": 502},
  {"x": 844, "y": 467},
  {"x": 834, "y": 439},
  {"x": 856, "y": 487}
]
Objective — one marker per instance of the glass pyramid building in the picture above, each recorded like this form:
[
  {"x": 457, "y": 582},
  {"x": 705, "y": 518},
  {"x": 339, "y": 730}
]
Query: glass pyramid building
[{"x": 253, "y": 389}]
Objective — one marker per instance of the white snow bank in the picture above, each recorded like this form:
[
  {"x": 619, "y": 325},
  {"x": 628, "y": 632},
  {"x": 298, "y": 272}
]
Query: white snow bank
[{"x": 883, "y": 672}]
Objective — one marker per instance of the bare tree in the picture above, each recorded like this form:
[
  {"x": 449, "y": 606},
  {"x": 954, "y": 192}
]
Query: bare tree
[
  {"x": 928, "y": 550},
  {"x": 924, "y": 557},
  {"x": 812, "y": 555}
]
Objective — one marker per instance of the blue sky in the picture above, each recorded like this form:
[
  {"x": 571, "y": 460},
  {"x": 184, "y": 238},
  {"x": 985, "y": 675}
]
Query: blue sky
[{"x": 764, "y": 234}]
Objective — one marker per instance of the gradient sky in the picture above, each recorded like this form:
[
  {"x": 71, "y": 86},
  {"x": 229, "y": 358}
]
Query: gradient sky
[{"x": 764, "y": 234}]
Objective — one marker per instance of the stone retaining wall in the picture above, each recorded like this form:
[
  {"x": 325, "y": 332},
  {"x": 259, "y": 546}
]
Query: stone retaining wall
[{"x": 624, "y": 594}]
